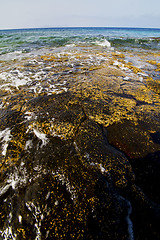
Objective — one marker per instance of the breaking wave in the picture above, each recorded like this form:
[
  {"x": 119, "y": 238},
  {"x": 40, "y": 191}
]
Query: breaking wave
[{"x": 27, "y": 40}]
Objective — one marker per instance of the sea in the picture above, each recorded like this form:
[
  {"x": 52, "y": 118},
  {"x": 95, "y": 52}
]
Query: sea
[
  {"x": 27, "y": 40},
  {"x": 48, "y": 49}
]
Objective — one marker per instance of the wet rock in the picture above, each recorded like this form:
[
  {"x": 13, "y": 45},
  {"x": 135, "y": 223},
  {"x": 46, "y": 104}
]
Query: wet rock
[
  {"x": 81, "y": 164},
  {"x": 154, "y": 85},
  {"x": 156, "y": 137}
]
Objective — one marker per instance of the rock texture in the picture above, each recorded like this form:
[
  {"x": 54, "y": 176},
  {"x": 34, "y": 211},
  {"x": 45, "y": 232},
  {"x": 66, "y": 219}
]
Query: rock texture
[{"x": 82, "y": 164}]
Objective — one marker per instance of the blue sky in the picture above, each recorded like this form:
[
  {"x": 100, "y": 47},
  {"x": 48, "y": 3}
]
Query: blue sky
[{"x": 66, "y": 13}]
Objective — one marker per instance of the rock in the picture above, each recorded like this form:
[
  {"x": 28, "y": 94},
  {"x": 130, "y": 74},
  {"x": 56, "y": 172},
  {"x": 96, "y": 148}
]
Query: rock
[
  {"x": 50, "y": 188},
  {"x": 80, "y": 164}
]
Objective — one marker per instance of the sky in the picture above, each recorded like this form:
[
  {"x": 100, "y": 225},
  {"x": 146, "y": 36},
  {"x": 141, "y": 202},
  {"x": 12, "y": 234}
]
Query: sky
[{"x": 79, "y": 13}]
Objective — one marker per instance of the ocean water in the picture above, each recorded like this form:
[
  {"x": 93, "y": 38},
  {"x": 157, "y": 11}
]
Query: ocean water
[
  {"x": 58, "y": 51},
  {"x": 27, "y": 40}
]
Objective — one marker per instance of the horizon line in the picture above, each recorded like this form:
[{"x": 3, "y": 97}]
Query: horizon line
[{"x": 72, "y": 27}]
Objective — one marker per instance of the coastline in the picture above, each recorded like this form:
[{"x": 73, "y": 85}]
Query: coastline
[{"x": 80, "y": 146}]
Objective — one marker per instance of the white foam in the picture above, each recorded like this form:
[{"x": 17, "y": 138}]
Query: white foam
[
  {"x": 8, "y": 233},
  {"x": 13, "y": 80},
  {"x": 1, "y": 105},
  {"x": 19, "y": 82},
  {"x": 87, "y": 157},
  {"x": 47, "y": 234},
  {"x": 65, "y": 89},
  {"x": 5, "y": 137},
  {"x": 142, "y": 74},
  {"x": 126, "y": 78},
  {"x": 124, "y": 68},
  {"x": 48, "y": 195},
  {"x": 30, "y": 115},
  {"x": 103, "y": 170},
  {"x": 76, "y": 147},
  {"x": 17, "y": 72},
  {"x": 3, "y": 76},
  {"x": 104, "y": 43},
  {"x": 14, "y": 180},
  {"x": 38, "y": 168},
  {"x": 34, "y": 88},
  {"x": 39, "y": 75},
  {"x": 36, "y": 211},
  {"x": 41, "y": 136},
  {"x": 13, "y": 55},
  {"x": 20, "y": 218},
  {"x": 28, "y": 145},
  {"x": 116, "y": 63},
  {"x": 70, "y": 45},
  {"x": 56, "y": 203}
]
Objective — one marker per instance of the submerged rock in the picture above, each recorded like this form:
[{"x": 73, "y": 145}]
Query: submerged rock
[{"x": 75, "y": 165}]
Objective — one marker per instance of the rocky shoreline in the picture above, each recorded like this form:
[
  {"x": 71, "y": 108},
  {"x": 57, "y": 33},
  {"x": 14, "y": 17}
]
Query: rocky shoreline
[{"x": 82, "y": 163}]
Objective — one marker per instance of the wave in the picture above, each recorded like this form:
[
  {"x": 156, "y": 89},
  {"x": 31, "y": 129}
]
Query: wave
[
  {"x": 104, "y": 43},
  {"x": 29, "y": 40},
  {"x": 145, "y": 43}
]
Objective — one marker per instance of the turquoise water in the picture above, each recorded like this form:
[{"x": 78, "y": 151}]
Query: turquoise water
[
  {"x": 27, "y": 40},
  {"x": 31, "y": 56}
]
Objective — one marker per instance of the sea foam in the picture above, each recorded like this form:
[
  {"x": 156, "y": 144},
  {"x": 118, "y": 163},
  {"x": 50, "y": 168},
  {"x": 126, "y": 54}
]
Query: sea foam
[
  {"x": 5, "y": 137},
  {"x": 104, "y": 43}
]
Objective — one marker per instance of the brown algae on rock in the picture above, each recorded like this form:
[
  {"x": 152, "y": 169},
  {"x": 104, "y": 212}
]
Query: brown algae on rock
[{"x": 75, "y": 129}]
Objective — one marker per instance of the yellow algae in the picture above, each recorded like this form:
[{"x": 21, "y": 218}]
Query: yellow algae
[
  {"x": 103, "y": 54},
  {"x": 152, "y": 62},
  {"x": 51, "y": 58},
  {"x": 126, "y": 65},
  {"x": 129, "y": 63},
  {"x": 21, "y": 232},
  {"x": 94, "y": 68},
  {"x": 134, "y": 69},
  {"x": 48, "y": 58},
  {"x": 122, "y": 61},
  {"x": 120, "y": 55},
  {"x": 17, "y": 107},
  {"x": 153, "y": 85}
]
